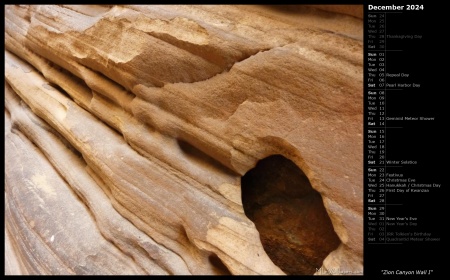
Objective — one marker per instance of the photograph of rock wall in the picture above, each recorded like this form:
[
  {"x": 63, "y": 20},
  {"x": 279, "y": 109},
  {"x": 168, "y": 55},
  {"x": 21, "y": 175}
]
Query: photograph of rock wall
[{"x": 183, "y": 140}]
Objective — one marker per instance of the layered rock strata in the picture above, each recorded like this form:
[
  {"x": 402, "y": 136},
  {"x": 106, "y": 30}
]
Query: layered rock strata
[{"x": 128, "y": 130}]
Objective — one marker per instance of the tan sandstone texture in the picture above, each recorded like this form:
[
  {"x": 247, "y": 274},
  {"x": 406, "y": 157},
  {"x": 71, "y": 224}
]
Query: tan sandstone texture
[{"x": 183, "y": 140}]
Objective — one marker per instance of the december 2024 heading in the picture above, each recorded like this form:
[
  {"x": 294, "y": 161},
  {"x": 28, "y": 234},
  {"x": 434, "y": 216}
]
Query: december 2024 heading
[{"x": 395, "y": 7}]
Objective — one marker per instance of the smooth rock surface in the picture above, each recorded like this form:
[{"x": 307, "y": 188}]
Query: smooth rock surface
[{"x": 128, "y": 130}]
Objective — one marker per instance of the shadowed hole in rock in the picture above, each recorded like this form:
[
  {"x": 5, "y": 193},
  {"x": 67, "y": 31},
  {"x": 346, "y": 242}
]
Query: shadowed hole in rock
[
  {"x": 294, "y": 227},
  {"x": 219, "y": 266}
]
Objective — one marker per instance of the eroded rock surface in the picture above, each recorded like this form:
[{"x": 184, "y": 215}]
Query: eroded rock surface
[{"x": 128, "y": 130}]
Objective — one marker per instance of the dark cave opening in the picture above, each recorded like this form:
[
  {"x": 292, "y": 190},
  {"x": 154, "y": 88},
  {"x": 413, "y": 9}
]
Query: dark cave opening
[
  {"x": 219, "y": 266},
  {"x": 294, "y": 227}
]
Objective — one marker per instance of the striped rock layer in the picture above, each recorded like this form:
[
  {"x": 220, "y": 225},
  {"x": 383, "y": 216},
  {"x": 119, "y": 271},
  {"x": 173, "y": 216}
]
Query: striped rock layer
[{"x": 183, "y": 140}]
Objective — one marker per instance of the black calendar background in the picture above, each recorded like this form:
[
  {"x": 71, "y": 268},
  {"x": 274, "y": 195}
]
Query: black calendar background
[{"x": 421, "y": 141}]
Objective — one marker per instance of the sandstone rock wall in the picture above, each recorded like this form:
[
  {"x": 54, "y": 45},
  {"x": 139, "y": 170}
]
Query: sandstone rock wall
[{"x": 128, "y": 129}]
